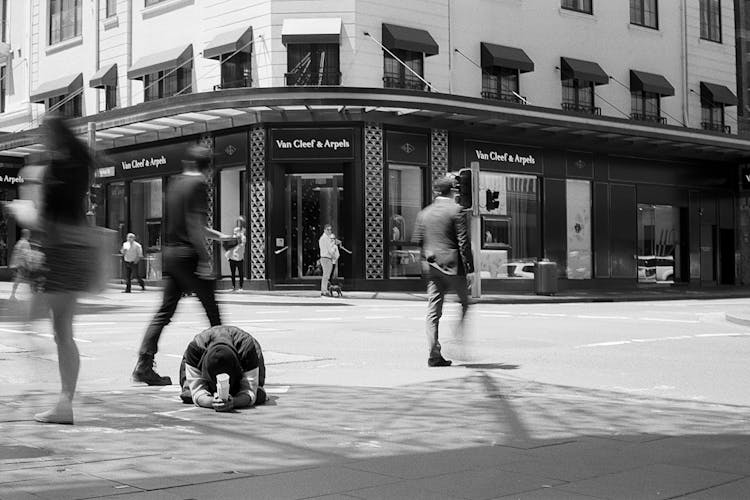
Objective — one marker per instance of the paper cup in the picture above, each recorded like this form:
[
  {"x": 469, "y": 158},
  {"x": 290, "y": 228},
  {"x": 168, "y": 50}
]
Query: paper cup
[{"x": 222, "y": 386}]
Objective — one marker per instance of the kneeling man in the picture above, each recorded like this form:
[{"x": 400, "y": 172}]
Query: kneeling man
[{"x": 223, "y": 349}]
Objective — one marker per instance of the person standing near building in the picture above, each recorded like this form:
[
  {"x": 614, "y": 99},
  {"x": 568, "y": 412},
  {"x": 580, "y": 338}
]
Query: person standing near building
[
  {"x": 441, "y": 232},
  {"x": 19, "y": 261},
  {"x": 187, "y": 266},
  {"x": 328, "y": 251},
  {"x": 132, "y": 253},
  {"x": 236, "y": 254}
]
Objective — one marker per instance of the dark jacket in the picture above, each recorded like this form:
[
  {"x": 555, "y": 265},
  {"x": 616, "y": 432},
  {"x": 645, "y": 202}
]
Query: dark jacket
[{"x": 442, "y": 233}]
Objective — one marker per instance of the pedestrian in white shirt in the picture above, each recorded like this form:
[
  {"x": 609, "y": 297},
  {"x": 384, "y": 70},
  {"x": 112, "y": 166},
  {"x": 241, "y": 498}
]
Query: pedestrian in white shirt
[
  {"x": 132, "y": 253},
  {"x": 328, "y": 252}
]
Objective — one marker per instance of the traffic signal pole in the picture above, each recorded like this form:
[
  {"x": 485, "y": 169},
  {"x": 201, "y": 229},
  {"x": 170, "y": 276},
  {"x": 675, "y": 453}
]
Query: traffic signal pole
[{"x": 476, "y": 231}]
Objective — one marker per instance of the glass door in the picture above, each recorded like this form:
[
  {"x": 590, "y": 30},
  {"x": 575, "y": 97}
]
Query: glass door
[
  {"x": 659, "y": 251},
  {"x": 313, "y": 200}
]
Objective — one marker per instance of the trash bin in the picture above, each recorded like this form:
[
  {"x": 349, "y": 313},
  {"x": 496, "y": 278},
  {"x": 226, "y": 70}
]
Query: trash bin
[{"x": 545, "y": 277}]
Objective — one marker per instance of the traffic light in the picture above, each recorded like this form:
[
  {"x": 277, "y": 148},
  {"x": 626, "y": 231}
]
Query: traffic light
[
  {"x": 95, "y": 197},
  {"x": 464, "y": 188},
  {"x": 491, "y": 200}
]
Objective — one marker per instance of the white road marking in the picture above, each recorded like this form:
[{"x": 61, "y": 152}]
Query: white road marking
[
  {"x": 667, "y": 320},
  {"x": 98, "y": 323},
  {"x": 382, "y": 317},
  {"x": 50, "y": 336},
  {"x": 585, "y": 316},
  {"x": 662, "y": 339},
  {"x": 8, "y": 330}
]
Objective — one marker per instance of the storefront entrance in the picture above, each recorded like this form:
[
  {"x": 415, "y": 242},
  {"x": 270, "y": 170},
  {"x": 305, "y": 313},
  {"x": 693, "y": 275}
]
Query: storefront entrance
[{"x": 312, "y": 201}]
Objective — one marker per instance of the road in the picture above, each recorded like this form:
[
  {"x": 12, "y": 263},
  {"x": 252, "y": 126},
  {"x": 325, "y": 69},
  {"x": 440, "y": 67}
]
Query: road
[{"x": 671, "y": 349}]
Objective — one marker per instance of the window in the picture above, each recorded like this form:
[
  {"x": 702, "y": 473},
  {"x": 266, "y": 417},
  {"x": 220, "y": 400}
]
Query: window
[
  {"x": 578, "y": 95},
  {"x": 64, "y": 20},
  {"x": 711, "y": 20},
  {"x": 235, "y": 71},
  {"x": 313, "y": 64},
  {"x": 3, "y": 20},
  {"x": 501, "y": 84},
  {"x": 149, "y": 3},
  {"x": 69, "y": 106},
  {"x": 644, "y": 13},
  {"x": 405, "y": 199},
  {"x": 646, "y": 106},
  {"x": 111, "y": 8},
  {"x": 175, "y": 81},
  {"x": 110, "y": 97},
  {"x": 712, "y": 117},
  {"x": 395, "y": 75},
  {"x": 659, "y": 252},
  {"x": 3, "y": 75},
  {"x": 578, "y": 5}
]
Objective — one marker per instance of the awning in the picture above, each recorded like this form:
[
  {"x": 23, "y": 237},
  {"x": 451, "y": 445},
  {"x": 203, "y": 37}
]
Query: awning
[
  {"x": 505, "y": 57},
  {"x": 640, "y": 81},
  {"x": 239, "y": 40},
  {"x": 160, "y": 61},
  {"x": 105, "y": 77},
  {"x": 54, "y": 88},
  {"x": 403, "y": 38},
  {"x": 586, "y": 71},
  {"x": 718, "y": 94},
  {"x": 306, "y": 30}
]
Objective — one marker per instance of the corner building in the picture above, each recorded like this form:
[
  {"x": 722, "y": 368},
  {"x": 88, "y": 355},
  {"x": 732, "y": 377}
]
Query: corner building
[{"x": 605, "y": 132}]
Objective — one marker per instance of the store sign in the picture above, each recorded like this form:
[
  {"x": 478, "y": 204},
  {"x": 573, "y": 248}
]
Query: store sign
[
  {"x": 745, "y": 177},
  {"x": 402, "y": 147},
  {"x": 230, "y": 150},
  {"x": 162, "y": 160},
  {"x": 312, "y": 144},
  {"x": 505, "y": 157},
  {"x": 10, "y": 176}
]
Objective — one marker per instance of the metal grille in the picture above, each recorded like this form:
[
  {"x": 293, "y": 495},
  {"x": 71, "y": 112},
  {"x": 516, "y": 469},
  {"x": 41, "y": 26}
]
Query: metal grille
[
  {"x": 207, "y": 141},
  {"x": 374, "y": 199},
  {"x": 439, "y": 152},
  {"x": 257, "y": 222}
]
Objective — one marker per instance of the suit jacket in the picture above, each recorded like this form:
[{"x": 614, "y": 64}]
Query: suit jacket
[{"x": 442, "y": 233}]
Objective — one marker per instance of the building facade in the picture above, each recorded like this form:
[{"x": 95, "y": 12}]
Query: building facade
[{"x": 605, "y": 132}]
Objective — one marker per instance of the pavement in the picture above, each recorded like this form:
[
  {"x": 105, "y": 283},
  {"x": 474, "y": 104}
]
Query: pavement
[{"x": 475, "y": 432}]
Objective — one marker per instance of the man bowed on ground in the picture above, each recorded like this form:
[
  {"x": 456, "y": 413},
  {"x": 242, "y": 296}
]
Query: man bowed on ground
[
  {"x": 218, "y": 350},
  {"x": 441, "y": 232}
]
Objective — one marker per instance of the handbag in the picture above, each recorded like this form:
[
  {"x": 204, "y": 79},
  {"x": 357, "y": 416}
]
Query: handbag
[{"x": 230, "y": 244}]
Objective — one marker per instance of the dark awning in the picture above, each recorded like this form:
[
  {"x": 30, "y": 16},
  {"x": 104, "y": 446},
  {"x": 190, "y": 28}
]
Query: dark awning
[
  {"x": 160, "y": 61},
  {"x": 718, "y": 94},
  {"x": 505, "y": 57},
  {"x": 403, "y": 38},
  {"x": 640, "y": 81},
  {"x": 105, "y": 77},
  {"x": 58, "y": 87},
  {"x": 307, "y": 30},
  {"x": 586, "y": 71},
  {"x": 229, "y": 42}
]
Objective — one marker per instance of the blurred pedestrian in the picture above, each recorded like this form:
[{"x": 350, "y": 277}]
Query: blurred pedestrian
[
  {"x": 328, "y": 251},
  {"x": 229, "y": 350},
  {"x": 187, "y": 265},
  {"x": 442, "y": 234},
  {"x": 60, "y": 217},
  {"x": 132, "y": 253},
  {"x": 236, "y": 254},
  {"x": 20, "y": 261}
]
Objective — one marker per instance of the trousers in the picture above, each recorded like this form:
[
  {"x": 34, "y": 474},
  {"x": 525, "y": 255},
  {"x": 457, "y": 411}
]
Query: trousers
[{"x": 438, "y": 284}]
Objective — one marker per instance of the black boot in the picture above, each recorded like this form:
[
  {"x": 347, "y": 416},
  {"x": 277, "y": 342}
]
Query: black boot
[{"x": 144, "y": 372}]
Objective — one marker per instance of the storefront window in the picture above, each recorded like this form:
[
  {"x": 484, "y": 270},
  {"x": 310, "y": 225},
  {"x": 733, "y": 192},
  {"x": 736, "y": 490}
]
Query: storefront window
[
  {"x": 405, "y": 200},
  {"x": 510, "y": 225},
  {"x": 232, "y": 203},
  {"x": 658, "y": 242},
  {"x": 146, "y": 222},
  {"x": 578, "y": 204},
  {"x": 6, "y": 242}
]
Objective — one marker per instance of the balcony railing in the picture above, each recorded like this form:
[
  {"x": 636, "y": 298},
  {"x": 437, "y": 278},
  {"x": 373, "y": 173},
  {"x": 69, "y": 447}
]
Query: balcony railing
[
  {"x": 313, "y": 78},
  {"x": 235, "y": 84},
  {"x": 646, "y": 117},
  {"x": 716, "y": 127},
  {"x": 503, "y": 96},
  {"x": 581, "y": 108},
  {"x": 395, "y": 82}
]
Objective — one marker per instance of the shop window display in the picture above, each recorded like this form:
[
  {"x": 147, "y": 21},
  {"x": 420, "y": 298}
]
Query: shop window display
[
  {"x": 146, "y": 222},
  {"x": 658, "y": 243},
  {"x": 405, "y": 200}
]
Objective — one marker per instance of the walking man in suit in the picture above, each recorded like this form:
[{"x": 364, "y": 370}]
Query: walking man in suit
[{"x": 441, "y": 232}]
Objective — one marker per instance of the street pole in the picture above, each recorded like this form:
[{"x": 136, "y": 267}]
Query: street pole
[
  {"x": 91, "y": 137},
  {"x": 476, "y": 231}
]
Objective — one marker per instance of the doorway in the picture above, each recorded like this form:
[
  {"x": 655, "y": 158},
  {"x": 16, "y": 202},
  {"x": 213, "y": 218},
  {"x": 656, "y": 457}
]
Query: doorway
[{"x": 312, "y": 201}]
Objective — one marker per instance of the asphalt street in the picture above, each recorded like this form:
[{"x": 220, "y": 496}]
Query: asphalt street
[{"x": 569, "y": 400}]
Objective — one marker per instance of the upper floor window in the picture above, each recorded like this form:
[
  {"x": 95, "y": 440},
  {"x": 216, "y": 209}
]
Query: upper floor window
[
  {"x": 644, "y": 13},
  {"x": 67, "y": 105},
  {"x": 646, "y": 106},
  {"x": 64, "y": 20},
  {"x": 3, "y": 86},
  {"x": 110, "y": 98},
  {"x": 578, "y": 5},
  {"x": 578, "y": 95},
  {"x": 395, "y": 74},
  {"x": 235, "y": 71},
  {"x": 168, "y": 82},
  {"x": 3, "y": 20},
  {"x": 313, "y": 64},
  {"x": 111, "y": 8},
  {"x": 501, "y": 84},
  {"x": 711, "y": 20},
  {"x": 714, "y": 98},
  {"x": 149, "y": 3}
]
